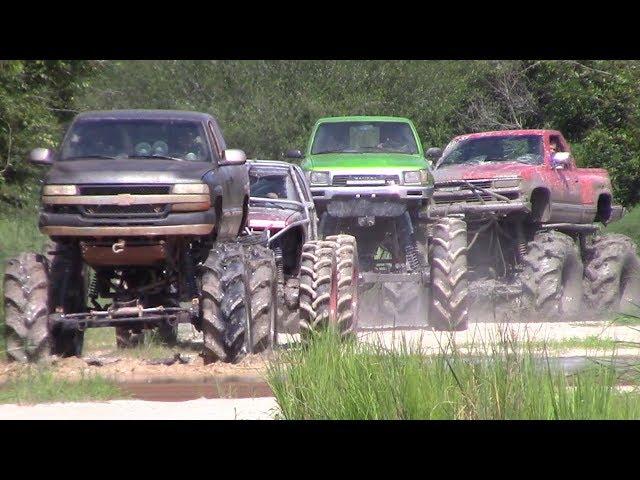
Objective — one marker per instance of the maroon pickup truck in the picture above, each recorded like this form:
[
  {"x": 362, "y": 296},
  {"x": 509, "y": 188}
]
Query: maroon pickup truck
[
  {"x": 533, "y": 222},
  {"x": 521, "y": 171}
]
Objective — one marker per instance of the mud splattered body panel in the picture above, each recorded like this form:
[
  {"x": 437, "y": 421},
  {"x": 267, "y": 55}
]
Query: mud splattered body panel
[{"x": 576, "y": 195}]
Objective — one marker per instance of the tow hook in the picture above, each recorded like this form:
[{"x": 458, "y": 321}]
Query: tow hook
[{"x": 118, "y": 247}]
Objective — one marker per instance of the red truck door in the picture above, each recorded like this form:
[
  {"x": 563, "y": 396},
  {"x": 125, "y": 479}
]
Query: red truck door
[{"x": 564, "y": 182}]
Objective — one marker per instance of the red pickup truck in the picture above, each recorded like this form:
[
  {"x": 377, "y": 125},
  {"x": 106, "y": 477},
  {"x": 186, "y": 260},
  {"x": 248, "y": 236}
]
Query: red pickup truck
[
  {"x": 521, "y": 171},
  {"x": 533, "y": 221}
]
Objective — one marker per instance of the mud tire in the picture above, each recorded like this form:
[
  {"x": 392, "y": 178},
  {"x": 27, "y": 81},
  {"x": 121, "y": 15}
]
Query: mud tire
[
  {"x": 66, "y": 343},
  {"x": 449, "y": 284},
  {"x": 237, "y": 291},
  {"x": 552, "y": 275},
  {"x": 612, "y": 274},
  {"x": 317, "y": 266},
  {"x": 288, "y": 320},
  {"x": 26, "y": 306},
  {"x": 346, "y": 308},
  {"x": 328, "y": 285}
]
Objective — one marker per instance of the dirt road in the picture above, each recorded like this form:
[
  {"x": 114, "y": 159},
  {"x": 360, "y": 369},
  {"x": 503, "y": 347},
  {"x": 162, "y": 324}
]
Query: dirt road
[{"x": 262, "y": 408}]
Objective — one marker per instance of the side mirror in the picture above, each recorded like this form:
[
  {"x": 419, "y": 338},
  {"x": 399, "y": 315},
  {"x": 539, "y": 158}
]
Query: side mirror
[
  {"x": 434, "y": 153},
  {"x": 560, "y": 160},
  {"x": 41, "y": 156},
  {"x": 234, "y": 156},
  {"x": 293, "y": 154}
]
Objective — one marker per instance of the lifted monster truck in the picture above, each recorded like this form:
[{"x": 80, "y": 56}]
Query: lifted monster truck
[
  {"x": 152, "y": 204},
  {"x": 532, "y": 217},
  {"x": 370, "y": 179},
  {"x": 281, "y": 206}
]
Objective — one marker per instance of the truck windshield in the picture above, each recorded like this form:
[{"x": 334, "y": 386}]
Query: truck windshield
[
  {"x": 517, "y": 148},
  {"x": 139, "y": 138},
  {"x": 272, "y": 184},
  {"x": 364, "y": 137}
]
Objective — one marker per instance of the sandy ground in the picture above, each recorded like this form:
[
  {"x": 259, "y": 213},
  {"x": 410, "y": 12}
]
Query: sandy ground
[
  {"x": 483, "y": 334},
  {"x": 262, "y": 408}
]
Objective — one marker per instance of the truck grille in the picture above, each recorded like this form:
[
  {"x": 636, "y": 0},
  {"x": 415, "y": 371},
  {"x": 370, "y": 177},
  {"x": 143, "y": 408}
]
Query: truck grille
[
  {"x": 120, "y": 189},
  {"x": 463, "y": 186},
  {"x": 117, "y": 211},
  {"x": 341, "y": 180}
]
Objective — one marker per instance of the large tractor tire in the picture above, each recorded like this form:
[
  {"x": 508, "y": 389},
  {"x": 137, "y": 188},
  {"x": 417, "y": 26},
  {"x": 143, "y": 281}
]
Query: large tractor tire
[
  {"x": 65, "y": 261},
  {"x": 346, "y": 306},
  {"x": 316, "y": 274},
  {"x": 237, "y": 301},
  {"x": 288, "y": 320},
  {"x": 26, "y": 306},
  {"x": 328, "y": 285},
  {"x": 449, "y": 284},
  {"x": 612, "y": 274},
  {"x": 552, "y": 275}
]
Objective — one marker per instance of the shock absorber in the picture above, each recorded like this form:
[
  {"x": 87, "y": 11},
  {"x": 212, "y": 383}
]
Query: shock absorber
[
  {"x": 408, "y": 241},
  {"x": 189, "y": 272},
  {"x": 522, "y": 243},
  {"x": 277, "y": 250}
]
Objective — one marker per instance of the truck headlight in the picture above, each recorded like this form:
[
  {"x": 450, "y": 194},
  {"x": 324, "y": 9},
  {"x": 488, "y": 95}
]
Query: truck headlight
[
  {"x": 319, "y": 178},
  {"x": 60, "y": 190},
  {"x": 506, "y": 182},
  {"x": 186, "y": 188},
  {"x": 416, "y": 177}
]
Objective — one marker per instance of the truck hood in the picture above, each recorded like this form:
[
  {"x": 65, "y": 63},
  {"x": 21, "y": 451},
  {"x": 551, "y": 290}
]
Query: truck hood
[
  {"x": 483, "y": 171},
  {"x": 269, "y": 218},
  {"x": 358, "y": 161},
  {"x": 97, "y": 171}
]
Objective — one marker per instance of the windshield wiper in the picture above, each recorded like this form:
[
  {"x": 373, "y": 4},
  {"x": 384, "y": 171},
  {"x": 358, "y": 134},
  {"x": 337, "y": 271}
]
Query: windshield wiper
[
  {"x": 161, "y": 157},
  {"x": 78, "y": 157}
]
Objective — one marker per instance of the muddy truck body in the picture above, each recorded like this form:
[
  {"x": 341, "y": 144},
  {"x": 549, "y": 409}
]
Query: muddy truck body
[
  {"x": 533, "y": 221},
  {"x": 145, "y": 211},
  {"x": 370, "y": 179}
]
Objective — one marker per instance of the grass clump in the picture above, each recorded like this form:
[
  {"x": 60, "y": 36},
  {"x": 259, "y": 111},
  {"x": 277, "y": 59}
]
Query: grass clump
[
  {"x": 41, "y": 386},
  {"x": 330, "y": 379}
]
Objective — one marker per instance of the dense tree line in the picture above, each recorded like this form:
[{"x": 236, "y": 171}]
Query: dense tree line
[{"x": 266, "y": 107}]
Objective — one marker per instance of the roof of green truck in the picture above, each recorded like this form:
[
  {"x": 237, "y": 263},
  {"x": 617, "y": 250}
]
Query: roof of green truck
[{"x": 363, "y": 118}]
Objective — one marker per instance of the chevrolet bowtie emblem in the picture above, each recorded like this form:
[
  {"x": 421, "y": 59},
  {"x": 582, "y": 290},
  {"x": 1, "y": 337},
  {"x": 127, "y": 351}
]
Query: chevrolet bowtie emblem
[{"x": 124, "y": 199}]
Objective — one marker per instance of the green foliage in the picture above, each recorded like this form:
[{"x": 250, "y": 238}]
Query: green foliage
[
  {"x": 267, "y": 107},
  {"x": 35, "y": 99},
  {"x": 38, "y": 385}
]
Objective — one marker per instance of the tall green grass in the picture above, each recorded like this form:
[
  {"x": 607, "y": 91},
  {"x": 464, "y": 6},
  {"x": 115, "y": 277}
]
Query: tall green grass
[
  {"x": 628, "y": 225},
  {"x": 329, "y": 379}
]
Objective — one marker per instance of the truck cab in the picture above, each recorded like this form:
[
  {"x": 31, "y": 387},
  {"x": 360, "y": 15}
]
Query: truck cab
[{"x": 364, "y": 166}]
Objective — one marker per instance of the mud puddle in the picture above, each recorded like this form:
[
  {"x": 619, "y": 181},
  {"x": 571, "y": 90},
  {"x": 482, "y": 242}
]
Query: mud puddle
[{"x": 169, "y": 390}]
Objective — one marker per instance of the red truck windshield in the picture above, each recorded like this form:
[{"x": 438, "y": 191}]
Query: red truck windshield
[
  {"x": 364, "y": 137},
  {"x": 517, "y": 148}
]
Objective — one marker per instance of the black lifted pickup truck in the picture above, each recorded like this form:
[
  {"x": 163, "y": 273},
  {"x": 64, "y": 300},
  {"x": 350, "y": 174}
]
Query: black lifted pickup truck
[{"x": 144, "y": 210}]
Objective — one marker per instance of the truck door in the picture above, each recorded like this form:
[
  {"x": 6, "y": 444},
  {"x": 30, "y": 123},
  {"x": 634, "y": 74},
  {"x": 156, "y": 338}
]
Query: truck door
[
  {"x": 228, "y": 187},
  {"x": 565, "y": 193}
]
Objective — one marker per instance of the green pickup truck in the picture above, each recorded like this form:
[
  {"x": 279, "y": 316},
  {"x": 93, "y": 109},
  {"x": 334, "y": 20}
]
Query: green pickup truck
[
  {"x": 366, "y": 167},
  {"x": 370, "y": 178}
]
